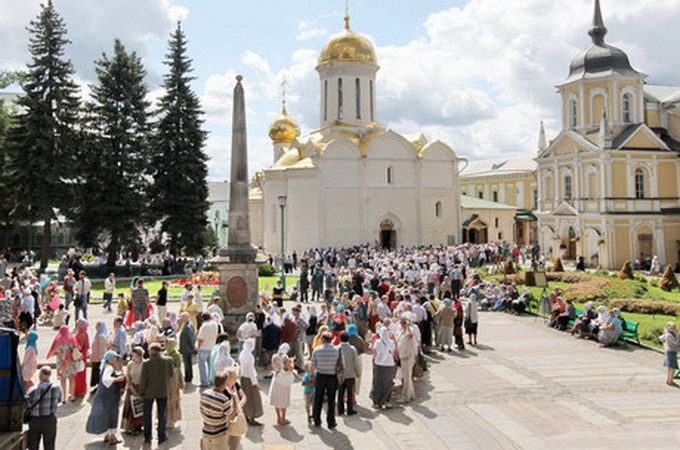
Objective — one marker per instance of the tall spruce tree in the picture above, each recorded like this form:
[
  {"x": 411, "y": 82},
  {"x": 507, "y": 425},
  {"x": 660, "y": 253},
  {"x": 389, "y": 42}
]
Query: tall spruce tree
[
  {"x": 180, "y": 169},
  {"x": 115, "y": 165},
  {"x": 44, "y": 140}
]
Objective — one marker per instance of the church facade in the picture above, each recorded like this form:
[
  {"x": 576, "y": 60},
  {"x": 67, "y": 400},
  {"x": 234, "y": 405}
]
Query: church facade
[
  {"x": 609, "y": 181},
  {"x": 353, "y": 181}
]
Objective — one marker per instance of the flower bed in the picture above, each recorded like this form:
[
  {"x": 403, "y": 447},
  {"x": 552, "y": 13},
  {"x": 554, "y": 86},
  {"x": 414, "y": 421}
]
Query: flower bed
[{"x": 198, "y": 278}]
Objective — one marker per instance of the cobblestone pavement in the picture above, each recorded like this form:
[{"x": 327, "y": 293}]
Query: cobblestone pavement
[{"x": 524, "y": 386}]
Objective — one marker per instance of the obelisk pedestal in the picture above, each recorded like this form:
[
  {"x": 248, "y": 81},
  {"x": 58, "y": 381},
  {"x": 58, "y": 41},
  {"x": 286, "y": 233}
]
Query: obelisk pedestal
[{"x": 237, "y": 263}]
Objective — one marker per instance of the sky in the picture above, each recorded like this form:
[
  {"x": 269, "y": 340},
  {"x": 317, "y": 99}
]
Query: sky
[{"x": 479, "y": 75}]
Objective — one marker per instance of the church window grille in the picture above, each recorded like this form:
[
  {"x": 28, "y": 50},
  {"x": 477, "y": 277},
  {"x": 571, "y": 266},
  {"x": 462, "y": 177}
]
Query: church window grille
[
  {"x": 573, "y": 113},
  {"x": 357, "y": 85},
  {"x": 627, "y": 109},
  {"x": 340, "y": 98},
  {"x": 438, "y": 209},
  {"x": 390, "y": 175},
  {"x": 568, "y": 188},
  {"x": 639, "y": 184}
]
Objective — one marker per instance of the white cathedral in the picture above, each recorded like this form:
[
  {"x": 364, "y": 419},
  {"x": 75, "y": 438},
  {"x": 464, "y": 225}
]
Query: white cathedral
[{"x": 352, "y": 181}]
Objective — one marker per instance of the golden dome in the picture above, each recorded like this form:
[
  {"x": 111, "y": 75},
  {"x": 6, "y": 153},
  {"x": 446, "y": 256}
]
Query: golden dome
[
  {"x": 284, "y": 128},
  {"x": 348, "y": 46}
]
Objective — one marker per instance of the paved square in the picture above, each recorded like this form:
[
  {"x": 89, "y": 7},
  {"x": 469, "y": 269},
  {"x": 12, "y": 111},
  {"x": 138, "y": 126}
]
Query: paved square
[{"x": 525, "y": 387}]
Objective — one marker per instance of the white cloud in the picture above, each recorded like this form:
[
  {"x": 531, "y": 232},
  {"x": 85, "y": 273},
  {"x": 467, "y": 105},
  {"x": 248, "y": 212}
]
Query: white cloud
[
  {"x": 92, "y": 27},
  {"x": 306, "y": 30}
]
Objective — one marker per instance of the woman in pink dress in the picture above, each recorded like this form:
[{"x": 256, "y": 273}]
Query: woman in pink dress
[
  {"x": 63, "y": 346},
  {"x": 83, "y": 342}
]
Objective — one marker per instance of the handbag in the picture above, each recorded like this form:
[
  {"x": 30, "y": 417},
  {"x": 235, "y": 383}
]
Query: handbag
[
  {"x": 238, "y": 426},
  {"x": 340, "y": 368},
  {"x": 78, "y": 359},
  {"x": 136, "y": 406},
  {"x": 27, "y": 411}
]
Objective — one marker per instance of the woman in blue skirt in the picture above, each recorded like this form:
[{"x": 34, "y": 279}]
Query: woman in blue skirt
[
  {"x": 671, "y": 345},
  {"x": 103, "y": 416}
]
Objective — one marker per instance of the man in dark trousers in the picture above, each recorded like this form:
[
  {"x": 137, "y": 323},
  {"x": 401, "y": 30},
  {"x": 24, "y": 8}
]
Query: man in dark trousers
[
  {"x": 325, "y": 362},
  {"x": 155, "y": 380},
  {"x": 187, "y": 345},
  {"x": 43, "y": 400}
]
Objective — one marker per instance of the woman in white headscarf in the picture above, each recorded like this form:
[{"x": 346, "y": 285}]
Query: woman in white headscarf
[
  {"x": 383, "y": 369},
  {"x": 251, "y": 388},
  {"x": 599, "y": 321},
  {"x": 223, "y": 360},
  {"x": 277, "y": 358}
]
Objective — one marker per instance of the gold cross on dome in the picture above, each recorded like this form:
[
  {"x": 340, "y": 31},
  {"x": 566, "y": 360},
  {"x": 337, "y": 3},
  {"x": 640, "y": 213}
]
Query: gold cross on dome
[{"x": 284, "y": 85}]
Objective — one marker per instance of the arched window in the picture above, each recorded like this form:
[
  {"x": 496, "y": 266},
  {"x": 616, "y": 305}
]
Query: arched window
[
  {"x": 639, "y": 183},
  {"x": 339, "y": 98},
  {"x": 370, "y": 93},
  {"x": 325, "y": 100},
  {"x": 390, "y": 175},
  {"x": 568, "y": 188},
  {"x": 438, "y": 209},
  {"x": 627, "y": 108},
  {"x": 573, "y": 113},
  {"x": 357, "y": 88}
]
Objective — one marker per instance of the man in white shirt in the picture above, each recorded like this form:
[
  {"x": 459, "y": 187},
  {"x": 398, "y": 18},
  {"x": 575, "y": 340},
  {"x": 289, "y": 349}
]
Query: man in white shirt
[
  {"x": 109, "y": 290},
  {"x": 82, "y": 291},
  {"x": 205, "y": 341}
]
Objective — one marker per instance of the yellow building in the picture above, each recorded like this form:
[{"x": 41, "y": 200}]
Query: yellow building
[
  {"x": 508, "y": 181},
  {"x": 608, "y": 182},
  {"x": 487, "y": 221}
]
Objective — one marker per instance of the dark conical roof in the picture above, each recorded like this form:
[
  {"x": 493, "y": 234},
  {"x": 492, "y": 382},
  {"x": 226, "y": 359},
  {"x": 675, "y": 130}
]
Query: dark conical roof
[{"x": 600, "y": 59}]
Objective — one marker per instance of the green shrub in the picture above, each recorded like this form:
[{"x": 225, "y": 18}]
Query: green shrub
[
  {"x": 592, "y": 290},
  {"x": 266, "y": 270},
  {"x": 654, "y": 282},
  {"x": 652, "y": 334},
  {"x": 617, "y": 288},
  {"x": 642, "y": 306}
]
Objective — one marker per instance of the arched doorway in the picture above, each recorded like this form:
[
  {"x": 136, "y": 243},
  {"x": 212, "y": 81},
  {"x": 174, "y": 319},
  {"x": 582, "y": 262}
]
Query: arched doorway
[
  {"x": 571, "y": 244},
  {"x": 388, "y": 235}
]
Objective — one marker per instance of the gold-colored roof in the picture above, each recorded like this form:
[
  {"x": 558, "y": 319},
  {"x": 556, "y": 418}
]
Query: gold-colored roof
[
  {"x": 348, "y": 46},
  {"x": 284, "y": 128}
]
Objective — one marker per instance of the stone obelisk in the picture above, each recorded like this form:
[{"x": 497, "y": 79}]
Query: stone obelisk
[{"x": 236, "y": 262}]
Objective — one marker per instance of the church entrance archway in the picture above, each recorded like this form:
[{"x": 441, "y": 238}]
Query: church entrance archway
[
  {"x": 388, "y": 235},
  {"x": 475, "y": 230}
]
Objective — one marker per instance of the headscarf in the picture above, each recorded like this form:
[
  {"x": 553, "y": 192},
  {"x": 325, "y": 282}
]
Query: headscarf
[
  {"x": 101, "y": 328},
  {"x": 247, "y": 351},
  {"x": 588, "y": 306},
  {"x": 312, "y": 311},
  {"x": 602, "y": 315},
  {"x": 81, "y": 326},
  {"x": 352, "y": 330},
  {"x": 224, "y": 359},
  {"x": 171, "y": 351},
  {"x": 32, "y": 340},
  {"x": 109, "y": 355},
  {"x": 63, "y": 337},
  {"x": 250, "y": 317},
  {"x": 284, "y": 349},
  {"x": 384, "y": 334},
  {"x": 139, "y": 326},
  {"x": 172, "y": 317}
]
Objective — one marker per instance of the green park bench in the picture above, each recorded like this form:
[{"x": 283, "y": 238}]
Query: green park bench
[
  {"x": 630, "y": 331},
  {"x": 571, "y": 323}
]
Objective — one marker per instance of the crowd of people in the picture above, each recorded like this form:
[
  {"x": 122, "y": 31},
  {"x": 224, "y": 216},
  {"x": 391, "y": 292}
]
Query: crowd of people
[{"x": 397, "y": 307}]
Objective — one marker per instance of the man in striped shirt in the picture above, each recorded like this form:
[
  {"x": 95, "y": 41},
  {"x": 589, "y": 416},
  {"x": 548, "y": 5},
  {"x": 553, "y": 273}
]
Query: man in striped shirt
[
  {"x": 325, "y": 361},
  {"x": 217, "y": 411}
]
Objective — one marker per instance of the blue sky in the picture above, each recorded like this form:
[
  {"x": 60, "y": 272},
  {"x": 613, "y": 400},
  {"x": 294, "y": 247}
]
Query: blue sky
[{"x": 477, "y": 74}]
